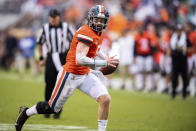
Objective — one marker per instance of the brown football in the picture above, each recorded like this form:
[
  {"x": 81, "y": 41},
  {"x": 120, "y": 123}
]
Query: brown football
[{"x": 108, "y": 69}]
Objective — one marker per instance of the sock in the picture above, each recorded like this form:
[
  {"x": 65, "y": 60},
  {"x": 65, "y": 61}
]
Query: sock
[
  {"x": 31, "y": 111},
  {"x": 102, "y": 125}
]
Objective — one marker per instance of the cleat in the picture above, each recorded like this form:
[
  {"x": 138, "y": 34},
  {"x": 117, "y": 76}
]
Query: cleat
[
  {"x": 57, "y": 115},
  {"x": 173, "y": 94},
  {"x": 47, "y": 115},
  {"x": 184, "y": 95},
  {"x": 22, "y": 117}
]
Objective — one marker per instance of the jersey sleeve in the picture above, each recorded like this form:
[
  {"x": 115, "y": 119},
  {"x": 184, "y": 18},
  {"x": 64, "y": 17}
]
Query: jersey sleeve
[
  {"x": 84, "y": 37},
  {"x": 41, "y": 37}
]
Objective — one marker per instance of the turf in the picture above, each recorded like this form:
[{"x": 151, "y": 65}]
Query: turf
[{"x": 130, "y": 111}]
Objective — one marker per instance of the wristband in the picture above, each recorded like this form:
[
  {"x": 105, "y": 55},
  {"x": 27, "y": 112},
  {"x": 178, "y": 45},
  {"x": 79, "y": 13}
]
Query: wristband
[{"x": 99, "y": 63}]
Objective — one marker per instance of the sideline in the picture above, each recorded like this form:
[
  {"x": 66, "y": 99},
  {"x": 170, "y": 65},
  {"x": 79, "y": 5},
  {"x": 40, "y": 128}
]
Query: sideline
[{"x": 42, "y": 127}]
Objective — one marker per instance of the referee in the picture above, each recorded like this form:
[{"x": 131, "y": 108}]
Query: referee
[
  {"x": 180, "y": 46},
  {"x": 57, "y": 36}
]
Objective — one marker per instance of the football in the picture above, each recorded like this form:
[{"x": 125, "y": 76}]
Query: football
[{"x": 108, "y": 69}]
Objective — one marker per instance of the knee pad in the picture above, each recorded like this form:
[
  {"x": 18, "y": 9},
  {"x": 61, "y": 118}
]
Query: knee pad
[{"x": 44, "y": 108}]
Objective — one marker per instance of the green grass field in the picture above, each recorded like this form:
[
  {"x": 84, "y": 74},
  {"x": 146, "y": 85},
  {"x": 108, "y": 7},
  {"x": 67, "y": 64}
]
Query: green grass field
[{"x": 130, "y": 111}]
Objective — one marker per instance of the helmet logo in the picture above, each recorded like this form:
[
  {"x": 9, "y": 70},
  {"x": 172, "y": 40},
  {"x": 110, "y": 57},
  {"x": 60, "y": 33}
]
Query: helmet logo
[{"x": 101, "y": 10}]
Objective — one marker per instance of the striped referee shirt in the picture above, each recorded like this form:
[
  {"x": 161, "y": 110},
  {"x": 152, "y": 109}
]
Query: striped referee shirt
[{"x": 57, "y": 39}]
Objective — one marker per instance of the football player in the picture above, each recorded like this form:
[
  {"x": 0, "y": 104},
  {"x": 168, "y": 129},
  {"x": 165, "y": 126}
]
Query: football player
[
  {"x": 143, "y": 60},
  {"x": 76, "y": 72}
]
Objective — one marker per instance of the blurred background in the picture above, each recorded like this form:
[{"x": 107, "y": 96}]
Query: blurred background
[
  {"x": 131, "y": 21},
  {"x": 143, "y": 35}
]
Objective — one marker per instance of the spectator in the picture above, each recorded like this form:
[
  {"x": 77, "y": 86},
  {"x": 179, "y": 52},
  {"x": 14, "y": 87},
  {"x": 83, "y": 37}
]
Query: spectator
[
  {"x": 10, "y": 49},
  {"x": 26, "y": 48}
]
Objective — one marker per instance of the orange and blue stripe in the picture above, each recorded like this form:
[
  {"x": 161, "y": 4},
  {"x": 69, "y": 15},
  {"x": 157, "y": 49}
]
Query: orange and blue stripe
[
  {"x": 101, "y": 9},
  {"x": 58, "y": 89}
]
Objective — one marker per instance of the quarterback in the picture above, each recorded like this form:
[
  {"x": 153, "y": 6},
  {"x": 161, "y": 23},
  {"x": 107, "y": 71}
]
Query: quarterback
[{"x": 76, "y": 73}]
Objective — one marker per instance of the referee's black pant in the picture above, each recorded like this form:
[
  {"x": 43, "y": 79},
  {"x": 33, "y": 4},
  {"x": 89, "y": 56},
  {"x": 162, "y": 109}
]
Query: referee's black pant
[
  {"x": 51, "y": 74},
  {"x": 179, "y": 68}
]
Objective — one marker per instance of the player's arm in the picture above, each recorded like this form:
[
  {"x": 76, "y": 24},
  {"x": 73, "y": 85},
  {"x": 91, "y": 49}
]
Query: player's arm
[
  {"x": 40, "y": 49},
  {"x": 111, "y": 60},
  {"x": 82, "y": 59},
  {"x": 102, "y": 55},
  {"x": 40, "y": 41}
]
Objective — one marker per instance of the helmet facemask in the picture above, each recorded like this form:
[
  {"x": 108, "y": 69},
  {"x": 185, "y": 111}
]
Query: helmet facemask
[
  {"x": 98, "y": 23},
  {"x": 94, "y": 17}
]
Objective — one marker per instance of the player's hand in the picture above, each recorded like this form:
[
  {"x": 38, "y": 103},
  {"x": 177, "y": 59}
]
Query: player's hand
[
  {"x": 112, "y": 61},
  {"x": 41, "y": 62}
]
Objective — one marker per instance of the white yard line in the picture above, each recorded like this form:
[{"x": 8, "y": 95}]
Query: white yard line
[{"x": 40, "y": 127}]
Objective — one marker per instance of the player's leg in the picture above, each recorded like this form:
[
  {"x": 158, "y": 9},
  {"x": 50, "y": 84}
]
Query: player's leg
[
  {"x": 192, "y": 85},
  {"x": 184, "y": 74},
  {"x": 103, "y": 111},
  {"x": 175, "y": 74},
  {"x": 139, "y": 77},
  {"x": 148, "y": 69},
  {"x": 123, "y": 73},
  {"x": 44, "y": 107},
  {"x": 93, "y": 87},
  {"x": 63, "y": 90},
  {"x": 22, "y": 66},
  {"x": 62, "y": 57},
  {"x": 33, "y": 67},
  {"x": 50, "y": 86},
  {"x": 25, "y": 112},
  {"x": 168, "y": 69}
]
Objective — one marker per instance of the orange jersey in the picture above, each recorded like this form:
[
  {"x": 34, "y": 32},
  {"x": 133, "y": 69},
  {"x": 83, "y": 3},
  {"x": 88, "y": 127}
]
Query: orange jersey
[
  {"x": 153, "y": 38},
  {"x": 192, "y": 37},
  {"x": 87, "y": 36},
  {"x": 142, "y": 44}
]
